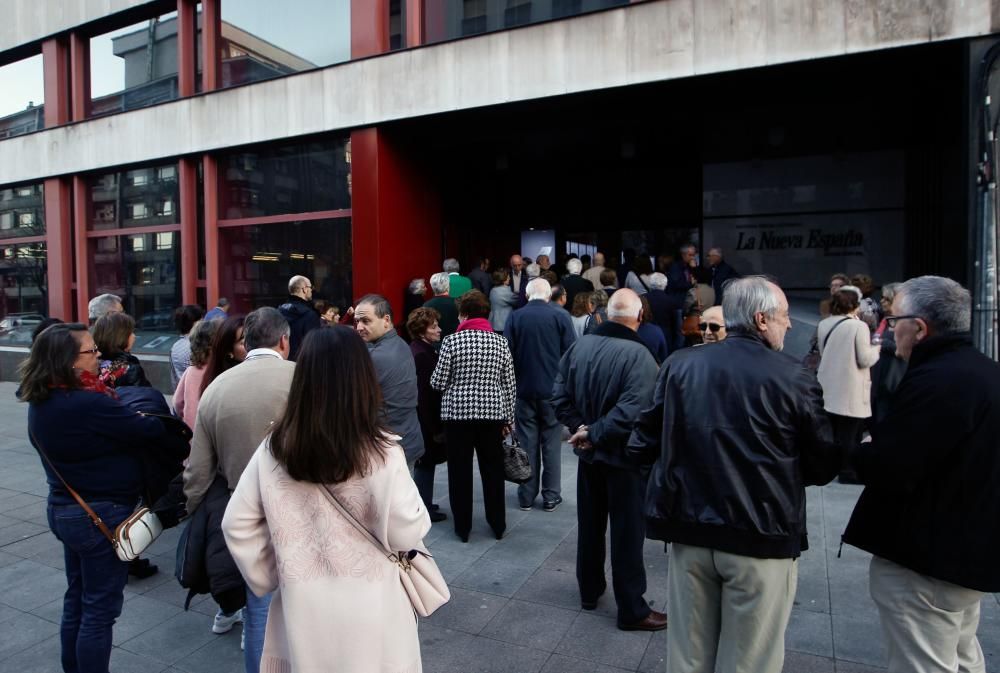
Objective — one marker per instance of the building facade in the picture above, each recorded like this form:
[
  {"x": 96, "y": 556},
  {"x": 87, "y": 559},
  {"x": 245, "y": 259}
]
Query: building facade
[{"x": 176, "y": 151}]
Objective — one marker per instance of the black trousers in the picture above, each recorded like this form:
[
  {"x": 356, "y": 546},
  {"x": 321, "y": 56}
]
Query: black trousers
[
  {"x": 485, "y": 438},
  {"x": 846, "y": 434},
  {"x": 603, "y": 492}
]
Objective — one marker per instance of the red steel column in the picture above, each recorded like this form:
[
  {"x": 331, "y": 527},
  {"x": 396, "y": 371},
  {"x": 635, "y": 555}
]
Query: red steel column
[
  {"x": 414, "y": 23},
  {"x": 211, "y": 179},
  {"x": 81, "y": 217},
  {"x": 59, "y": 243},
  {"x": 187, "y": 30},
  {"x": 211, "y": 43},
  {"x": 369, "y": 27},
  {"x": 55, "y": 65},
  {"x": 189, "y": 230},
  {"x": 79, "y": 80}
]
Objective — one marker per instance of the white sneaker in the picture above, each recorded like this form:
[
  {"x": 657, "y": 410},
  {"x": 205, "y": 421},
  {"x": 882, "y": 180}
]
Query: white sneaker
[{"x": 224, "y": 623}]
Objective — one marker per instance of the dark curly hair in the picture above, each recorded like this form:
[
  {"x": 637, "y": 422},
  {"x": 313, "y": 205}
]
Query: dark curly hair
[{"x": 420, "y": 319}]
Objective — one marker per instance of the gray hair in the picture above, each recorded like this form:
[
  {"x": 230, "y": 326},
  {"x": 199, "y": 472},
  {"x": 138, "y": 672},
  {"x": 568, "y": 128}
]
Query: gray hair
[
  {"x": 294, "y": 283},
  {"x": 101, "y": 304},
  {"x": 440, "y": 283},
  {"x": 599, "y": 298},
  {"x": 450, "y": 265},
  {"x": 533, "y": 270},
  {"x": 416, "y": 286},
  {"x": 264, "y": 328},
  {"x": 657, "y": 281},
  {"x": 574, "y": 266},
  {"x": 624, "y": 305},
  {"x": 745, "y": 298},
  {"x": 539, "y": 288},
  {"x": 889, "y": 291},
  {"x": 380, "y": 305},
  {"x": 943, "y": 304}
]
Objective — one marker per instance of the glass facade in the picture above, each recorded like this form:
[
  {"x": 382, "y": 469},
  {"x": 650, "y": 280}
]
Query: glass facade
[
  {"x": 142, "y": 197},
  {"x": 258, "y": 260},
  {"x": 22, "y": 211},
  {"x": 24, "y": 279},
  {"x": 143, "y": 270},
  {"x": 286, "y": 179},
  {"x": 134, "y": 67},
  {"x": 22, "y": 101},
  {"x": 262, "y": 39},
  {"x": 450, "y": 19}
]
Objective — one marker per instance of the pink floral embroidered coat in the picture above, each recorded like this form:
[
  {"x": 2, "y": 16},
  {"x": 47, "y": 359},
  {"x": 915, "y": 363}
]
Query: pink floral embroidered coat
[{"x": 338, "y": 603}]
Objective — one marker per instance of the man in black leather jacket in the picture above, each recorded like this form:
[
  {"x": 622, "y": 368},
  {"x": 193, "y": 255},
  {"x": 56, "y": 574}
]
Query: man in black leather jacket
[
  {"x": 737, "y": 431},
  {"x": 929, "y": 513}
]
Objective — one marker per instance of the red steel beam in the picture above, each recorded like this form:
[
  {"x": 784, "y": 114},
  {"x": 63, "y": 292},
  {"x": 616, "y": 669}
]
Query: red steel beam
[
  {"x": 369, "y": 27},
  {"x": 211, "y": 45},
  {"x": 59, "y": 245},
  {"x": 187, "y": 30},
  {"x": 55, "y": 65},
  {"x": 79, "y": 78},
  {"x": 414, "y": 23}
]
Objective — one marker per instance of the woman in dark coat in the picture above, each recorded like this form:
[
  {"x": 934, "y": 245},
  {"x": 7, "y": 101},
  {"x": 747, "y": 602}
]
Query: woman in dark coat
[
  {"x": 425, "y": 332},
  {"x": 92, "y": 440},
  {"x": 114, "y": 335}
]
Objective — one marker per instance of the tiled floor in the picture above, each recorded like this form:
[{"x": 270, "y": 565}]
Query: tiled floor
[{"x": 515, "y": 605}]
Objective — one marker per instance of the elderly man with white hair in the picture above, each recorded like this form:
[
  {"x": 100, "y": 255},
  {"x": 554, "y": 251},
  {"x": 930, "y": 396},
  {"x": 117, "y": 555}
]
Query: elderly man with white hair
[
  {"x": 731, "y": 427},
  {"x": 102, "y": 305},
  {"x": 459, "y": 284},
  {"x": 443, "y": 303},
  {"x": 929, "y": 513},
  {"x": 573, "y": 282},
  {"x": 604, "y": 381},
  {"x": 539, "y": 334}
]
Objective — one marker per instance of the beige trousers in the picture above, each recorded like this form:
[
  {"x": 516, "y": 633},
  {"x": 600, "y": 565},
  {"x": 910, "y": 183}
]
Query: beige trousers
[
  {"x": 727, "y": 613},
  {"x": 929, "y": 624}
]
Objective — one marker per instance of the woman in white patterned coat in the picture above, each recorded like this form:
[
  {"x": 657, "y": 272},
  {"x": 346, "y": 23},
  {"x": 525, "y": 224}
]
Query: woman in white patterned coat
[
  {"x": 475, "y": 374},
  {"x": 338, "y": 603}
]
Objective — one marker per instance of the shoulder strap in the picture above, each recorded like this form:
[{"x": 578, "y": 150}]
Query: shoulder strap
[
  {"x": 357, "y": 524},
  {"x": 76, "y": 496},
  {"x": 827, "y": 337}
]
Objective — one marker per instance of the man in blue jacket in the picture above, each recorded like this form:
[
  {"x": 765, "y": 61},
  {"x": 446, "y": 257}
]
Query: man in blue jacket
[{"x": 539, "y": 335}]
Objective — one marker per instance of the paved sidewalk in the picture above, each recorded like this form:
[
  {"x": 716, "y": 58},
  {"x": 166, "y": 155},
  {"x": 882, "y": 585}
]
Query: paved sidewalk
[{"x": 515, "y": 606}]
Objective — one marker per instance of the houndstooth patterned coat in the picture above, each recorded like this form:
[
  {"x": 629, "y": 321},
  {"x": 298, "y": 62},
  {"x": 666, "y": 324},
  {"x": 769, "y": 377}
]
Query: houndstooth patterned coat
[{"x": 475, "y": 374}]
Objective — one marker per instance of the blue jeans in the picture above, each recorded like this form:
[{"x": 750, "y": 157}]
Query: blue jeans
[
  {"x": 95, "y": 584},
  {"x": 254, "y": 625}
]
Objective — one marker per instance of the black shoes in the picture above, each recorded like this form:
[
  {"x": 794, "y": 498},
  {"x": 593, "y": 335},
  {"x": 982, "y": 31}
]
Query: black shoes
[
  {"x": 550, "y": 505},
  {"x": 437, "y": 516},
  {"x": 141, "y": 568},
  {"x": 592, "y": 605}
]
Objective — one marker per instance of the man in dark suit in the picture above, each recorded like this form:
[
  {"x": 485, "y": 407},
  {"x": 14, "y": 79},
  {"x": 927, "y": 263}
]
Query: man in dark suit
[
  {"x": 480, "y": 275},
  {"x": 721, "y": 272},
  {"x": 573, "y": 282}
]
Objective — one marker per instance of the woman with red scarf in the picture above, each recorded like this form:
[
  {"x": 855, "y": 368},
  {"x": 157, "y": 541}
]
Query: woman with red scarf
[
  {"x": 91, "y": 439},
  {"x": 475, "y": 374}
]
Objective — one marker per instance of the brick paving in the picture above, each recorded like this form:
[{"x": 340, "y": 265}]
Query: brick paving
[{"x": 515, "y": 606}]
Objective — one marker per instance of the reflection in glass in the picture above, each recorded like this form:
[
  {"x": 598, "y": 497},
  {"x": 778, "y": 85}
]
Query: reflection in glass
[
  {"x": 142, "y": 197},
  {"x": 257, "y": 261},
  {"x": 22, "y": 211},
  {"x": 25, "y": 291},
  {"x": 141, "y": 269},
  {"x": 285, "y": 179},
  {"x": 22, "y": 97},
  {"x": 397, "y": 24},
  {"x": 262, "y": 39},
  {"x": 449, "y": 19},
  {"x": 134, "y": 67}
]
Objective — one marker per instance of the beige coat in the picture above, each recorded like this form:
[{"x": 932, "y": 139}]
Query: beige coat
[
  {"x": 845, "y": 367},
  {"x": 338, "y": 604}
]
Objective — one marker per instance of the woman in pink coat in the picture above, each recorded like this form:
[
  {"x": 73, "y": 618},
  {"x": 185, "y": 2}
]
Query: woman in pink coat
[{"x": 338, "y": 604}]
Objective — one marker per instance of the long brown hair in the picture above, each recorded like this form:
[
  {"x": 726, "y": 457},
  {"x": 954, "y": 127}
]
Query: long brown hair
[
  {"x": 332, "y": 428},
  {"x": 50, "y": 363},
  {"x": 220, "y": 357}
]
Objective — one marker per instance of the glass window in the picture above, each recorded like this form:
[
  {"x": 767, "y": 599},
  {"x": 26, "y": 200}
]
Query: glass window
[
  {"x": 450, "y": 19},
  {"x": 397, "y": 24},
  {"x": 134, "y": 67},
  {"x": 285, "y": 179},
  {"x": 22, "y": 211},
  {"x": 144, "y": 197},
  {"x": 262, "y": 39},
  {"x": 143, "y": 271},
  {"x": 22, "y": 107},
  {"x": 257, "y": 261},
  {"x": 24, "y": 279}
]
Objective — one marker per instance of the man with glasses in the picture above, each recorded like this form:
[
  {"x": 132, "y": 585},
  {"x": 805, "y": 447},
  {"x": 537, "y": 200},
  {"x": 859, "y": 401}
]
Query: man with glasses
[
  {"x": 299, "y": 312},
  {"x": 929, "y": 513},
  {"x": 712, "y": 325}
]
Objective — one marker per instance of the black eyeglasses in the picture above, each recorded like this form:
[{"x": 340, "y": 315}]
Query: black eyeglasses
[
  {"x": 714, "y": 326},
  {"x": 892, "y": 320},
  {"x": 92, "y": 351}
]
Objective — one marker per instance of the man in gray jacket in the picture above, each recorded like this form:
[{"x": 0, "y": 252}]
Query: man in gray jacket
[
  {"x": 604, "y": 380},
  {"x": 397, "y": 374}
]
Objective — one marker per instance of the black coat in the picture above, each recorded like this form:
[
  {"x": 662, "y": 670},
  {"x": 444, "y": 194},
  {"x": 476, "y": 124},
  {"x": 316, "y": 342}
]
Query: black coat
[
  {"x": 428, "y": 403},
  {"x": 932, "y": 471},
  {"x": 481, "y": 281},
  {"x": 720, "y": 274},
  {"x": 204, "y": 564},
  {"x": 119, "y": 370},
  {"x": 574, "y": 284},
  {"x": 604, "y": 380},
  {"x": 302, "y": 318},
  {"x": 737, "y": 431}
]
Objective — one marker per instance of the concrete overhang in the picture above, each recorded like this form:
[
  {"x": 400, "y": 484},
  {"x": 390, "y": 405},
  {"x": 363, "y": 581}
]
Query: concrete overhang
[{"x": 646, "y": 42}]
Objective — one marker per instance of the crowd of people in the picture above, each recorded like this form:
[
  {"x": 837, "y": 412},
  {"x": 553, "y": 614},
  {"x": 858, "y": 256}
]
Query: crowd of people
[{"x": 689, "y": 423}]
